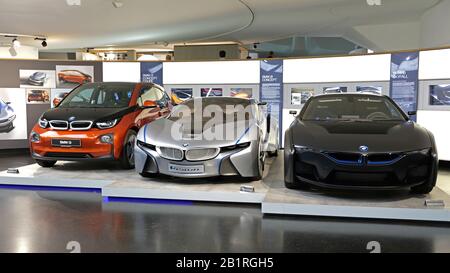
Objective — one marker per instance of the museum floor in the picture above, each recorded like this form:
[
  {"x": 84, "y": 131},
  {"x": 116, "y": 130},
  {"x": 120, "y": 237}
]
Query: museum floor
[{"x": 45, "y": 221}]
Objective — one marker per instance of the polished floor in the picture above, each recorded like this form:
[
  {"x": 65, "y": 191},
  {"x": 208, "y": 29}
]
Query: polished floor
[{"x": 46, "y": 221}]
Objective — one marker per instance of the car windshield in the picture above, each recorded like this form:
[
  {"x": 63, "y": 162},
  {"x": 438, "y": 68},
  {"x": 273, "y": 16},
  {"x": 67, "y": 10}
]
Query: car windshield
[
  {"x": 352, "y": 108},
  {"x": 99, "y": 95}
]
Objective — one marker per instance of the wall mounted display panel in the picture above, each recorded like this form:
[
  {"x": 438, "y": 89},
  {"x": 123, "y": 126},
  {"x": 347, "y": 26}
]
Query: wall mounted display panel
[
  {"x": 70, "y": 76},
  {"x": 220, "y": 72},
  {"x": 57, "y": 95},
  {"x": 436, "y": 122},
  {"x": 30, "y": 78},
  {"x": 434, "y": 64},
  {"x": 13, "y": 114},
  {"x": 231, "y": 90},
  {"x": 38, "y": 95},
  {"x": 434, "y": 95},
  {"x": 121, "y": 72},
  {"x": 338, "y": 69}
]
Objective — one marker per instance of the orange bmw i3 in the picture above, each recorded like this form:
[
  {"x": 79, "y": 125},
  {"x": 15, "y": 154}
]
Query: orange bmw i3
[{"x": 97, "y": 121}]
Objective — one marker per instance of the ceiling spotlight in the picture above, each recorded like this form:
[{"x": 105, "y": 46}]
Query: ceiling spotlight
[
  {"x": 255, "y": 45},
  {"x": 15, "y": 43},
  {"x": 117, "y": 4},
  {"x": 44, "y": 43}
]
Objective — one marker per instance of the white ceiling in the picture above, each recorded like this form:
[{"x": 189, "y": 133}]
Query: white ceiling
[{"x": 96, "y": 23}]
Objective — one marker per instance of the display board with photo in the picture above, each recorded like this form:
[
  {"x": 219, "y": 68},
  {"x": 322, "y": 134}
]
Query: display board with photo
[
  {"x": 245, "y": 92},
  {"x": 300, "y": 96},
  {"x": 57, "y": 95},
  {"x": 211, "y": 92},
  {"x": 335, "y": 89},
  {"x": 13, "y": 114},
  {"x": 181, "y": 94},
  {"x": 38, "y": 96},
  {"x": 70, "y": 76},
  {"x": 378, "y": 90},
  {"x": 440, "y": 94},
  {"x": 37, "y": 78}
]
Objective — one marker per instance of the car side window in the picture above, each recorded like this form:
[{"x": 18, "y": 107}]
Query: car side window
[
  {"x": 84, "y": 96},
  {"x": 150, "y": 93}
]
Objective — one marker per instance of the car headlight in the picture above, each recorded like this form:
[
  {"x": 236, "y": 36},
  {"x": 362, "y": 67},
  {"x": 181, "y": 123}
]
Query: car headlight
[
  {"x": 12, "y": 118},
  {"x": 35, "y": 137},
  {"x": 106, "y": 124},
  {"x": 43, "y": 123}
]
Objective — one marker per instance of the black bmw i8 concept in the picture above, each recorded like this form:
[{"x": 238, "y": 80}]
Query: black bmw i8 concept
[{"x": 358, "y": 141}]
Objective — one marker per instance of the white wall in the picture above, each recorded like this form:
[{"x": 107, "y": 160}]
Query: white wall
[
  {"x": 23, "y": 52},
  {"x": 338, "y": 69},
  {"x": 220, "y": 72},
  {"x": 121, "y": 72},
  {"x": 435, "y": 30}
]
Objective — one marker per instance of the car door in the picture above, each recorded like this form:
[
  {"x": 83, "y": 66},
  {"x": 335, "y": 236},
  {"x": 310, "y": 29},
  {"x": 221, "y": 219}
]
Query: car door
[{"x": 153, "y": 94}]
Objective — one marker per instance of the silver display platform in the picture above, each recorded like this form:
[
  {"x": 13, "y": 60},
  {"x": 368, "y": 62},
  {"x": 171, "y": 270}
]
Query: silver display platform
[{"x": 270, "y": 193}]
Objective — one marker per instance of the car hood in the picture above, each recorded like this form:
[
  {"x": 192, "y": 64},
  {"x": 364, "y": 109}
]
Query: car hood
[
  {"x": 349, "y": 136},
  {"x": 165, "y": 132},
  {"x": 92, "y": 114}
]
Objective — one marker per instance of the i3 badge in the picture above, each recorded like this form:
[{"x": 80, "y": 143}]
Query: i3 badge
[{"x": 363, "y": 149}]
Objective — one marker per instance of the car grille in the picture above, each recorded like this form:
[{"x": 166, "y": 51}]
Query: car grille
[
  {"x": 359, "y": 159},
  {"x": 81, "y": 125},
  {"x": 202, "y": 154},
  {"x": 170, "y": 153},
  {"x": 68, "y": 155},
  {"x": 59, "y": 124},
  {"x": 77, "y": 125}
]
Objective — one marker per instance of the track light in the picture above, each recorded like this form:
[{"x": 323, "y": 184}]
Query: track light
[
  {"x": 44, "y": 41},
  {"x": 15, "y": 43}
]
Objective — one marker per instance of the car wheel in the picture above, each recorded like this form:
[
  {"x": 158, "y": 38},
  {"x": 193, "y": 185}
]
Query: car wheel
[
  {"x": 273, "y": 154},
  {"x": 260, "y": 163},
  {"x": 297, "y": 185},
  {"x": 127, "y": 157},
  {"x": 423, "y": 189},
  {"x": 46, "y": 163},
  {"x": 148, "y": 175}
]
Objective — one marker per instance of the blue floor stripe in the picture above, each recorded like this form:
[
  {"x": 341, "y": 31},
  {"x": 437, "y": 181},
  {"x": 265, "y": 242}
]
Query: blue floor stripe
[{"x": 108, "y": 199}]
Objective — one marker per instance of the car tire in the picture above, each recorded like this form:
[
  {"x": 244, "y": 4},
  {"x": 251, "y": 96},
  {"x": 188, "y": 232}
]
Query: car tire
[
  {"x": 46, "y": 163},
  {"x": 127, "y": 156},
  {"x": 148, "y": 175},
  {"x": 425, "y": 188},
  {"x": 273, "y": 154},
  {"x": 297, "y": 186}
]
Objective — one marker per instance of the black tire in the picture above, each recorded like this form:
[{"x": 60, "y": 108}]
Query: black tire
[
  {"x": 46, "y": 163},
  {"x": 127, "y": 157},
  {"x": 148, "y": 175},
  {"x": 425, "y": 188},
  {"x": 273, "y": 154},
  {"x": 297, "y": 185}
]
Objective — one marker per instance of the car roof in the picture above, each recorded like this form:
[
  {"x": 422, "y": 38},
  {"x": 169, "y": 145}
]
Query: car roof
[{"x": 350, "y": 94}]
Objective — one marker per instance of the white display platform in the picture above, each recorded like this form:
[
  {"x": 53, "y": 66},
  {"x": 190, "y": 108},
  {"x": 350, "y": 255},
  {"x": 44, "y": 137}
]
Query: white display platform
[{"x": 116, "y": 184}]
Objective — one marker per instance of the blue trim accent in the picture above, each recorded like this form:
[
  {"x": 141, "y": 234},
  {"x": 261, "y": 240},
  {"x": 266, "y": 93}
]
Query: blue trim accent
[
  {"x": 49, "y": 188},
  {"x": 107, "y": 199},
  {"x": 245, "y": 132},
  {"x": 145, "y": 133}
]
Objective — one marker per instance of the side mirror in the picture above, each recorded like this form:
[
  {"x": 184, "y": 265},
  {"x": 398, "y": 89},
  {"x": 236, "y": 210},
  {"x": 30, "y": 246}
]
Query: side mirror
[
  {"x": 412, "y": 113},
  {"x": 149, "y": 104},
  {"x": 293, "y": 112}
]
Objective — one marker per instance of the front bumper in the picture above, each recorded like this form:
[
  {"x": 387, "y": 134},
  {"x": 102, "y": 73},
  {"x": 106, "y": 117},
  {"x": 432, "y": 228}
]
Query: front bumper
[
  {"x": 6, "y": 123},
  {"x": 91, "y": 147},
  {"x": 240, "y": 162},
  {"x": 322, "y": 170}
]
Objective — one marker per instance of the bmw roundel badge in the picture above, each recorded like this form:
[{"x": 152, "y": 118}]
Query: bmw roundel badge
[
  {"x": 185, "y": 145},
  {"x": 363, "y": 149},
  {"x": 72, "y": 118}
]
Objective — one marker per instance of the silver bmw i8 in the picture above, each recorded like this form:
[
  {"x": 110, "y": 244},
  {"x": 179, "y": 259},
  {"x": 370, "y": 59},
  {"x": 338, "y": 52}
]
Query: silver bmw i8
[{"x": 207, "y": 137}]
